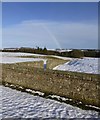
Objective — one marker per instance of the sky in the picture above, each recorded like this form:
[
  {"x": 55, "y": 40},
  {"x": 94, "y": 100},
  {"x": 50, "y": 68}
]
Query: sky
[
  {"x": 50, "y": 0},
  {"x": 52, "y": 25}
]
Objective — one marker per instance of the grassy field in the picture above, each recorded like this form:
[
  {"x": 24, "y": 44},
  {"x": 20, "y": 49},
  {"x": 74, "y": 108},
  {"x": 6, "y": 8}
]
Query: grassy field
[{"x": 51, "y": 62}]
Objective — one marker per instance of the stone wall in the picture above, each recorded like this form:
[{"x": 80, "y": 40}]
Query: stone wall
[{"x": 77, "y": 86}]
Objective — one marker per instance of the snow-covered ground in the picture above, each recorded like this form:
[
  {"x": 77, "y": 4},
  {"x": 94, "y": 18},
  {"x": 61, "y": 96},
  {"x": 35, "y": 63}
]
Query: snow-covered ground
[
  {"x": 17, "y": 59},
  {"x": 17, "y": 104},
  {"x": 8, "y": 57},
  {"x": 14, "y": 57},
  {"x": 14, "y": 54},
  {"x": 86, "y": 65}
]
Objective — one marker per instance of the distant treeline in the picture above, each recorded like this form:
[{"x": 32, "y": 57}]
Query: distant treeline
[{"x": 76, "y": 53}]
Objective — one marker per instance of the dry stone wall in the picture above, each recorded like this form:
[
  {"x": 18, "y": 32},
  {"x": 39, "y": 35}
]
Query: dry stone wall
[{"x": 78, "y": 86}]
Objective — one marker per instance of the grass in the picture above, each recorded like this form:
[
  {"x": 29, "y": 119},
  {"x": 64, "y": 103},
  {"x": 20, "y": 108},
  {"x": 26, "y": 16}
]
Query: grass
[{"x": 51, "y": 62}]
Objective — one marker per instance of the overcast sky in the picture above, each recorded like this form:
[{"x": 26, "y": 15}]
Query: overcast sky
[{"x": 51, "y": 25}]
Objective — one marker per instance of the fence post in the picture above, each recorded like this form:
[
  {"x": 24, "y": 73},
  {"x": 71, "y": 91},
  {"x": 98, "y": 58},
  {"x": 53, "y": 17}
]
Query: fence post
[{"x": 45, "y": 64}]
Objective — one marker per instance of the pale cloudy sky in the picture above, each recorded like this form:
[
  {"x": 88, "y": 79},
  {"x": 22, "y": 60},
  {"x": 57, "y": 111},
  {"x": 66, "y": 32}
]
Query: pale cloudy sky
[{"x": 53, "y": 25}]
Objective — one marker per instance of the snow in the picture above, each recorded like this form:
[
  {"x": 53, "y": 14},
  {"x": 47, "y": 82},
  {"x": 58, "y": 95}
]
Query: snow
[
  {"x": 17, "y": 60},
  {"x": 15, "y": 57},
  {"x": 85, "y": 65},
  {"x": 32, "y": 91},
  {"x": 63, "y": 58},
  {"x": 61, "y": 50},
  {"x": 15, "y": 54},
  {"x": 9, "y": 57},
  {"x": 17, "y": 104}
]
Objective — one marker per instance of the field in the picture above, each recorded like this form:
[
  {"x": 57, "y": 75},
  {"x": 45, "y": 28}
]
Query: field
[
  {"x": 85, "y": 65},
  {"x": 16, "y": 104},
  {"x": 33, "y": 60},
  {"x": 31, "y": 75}
]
